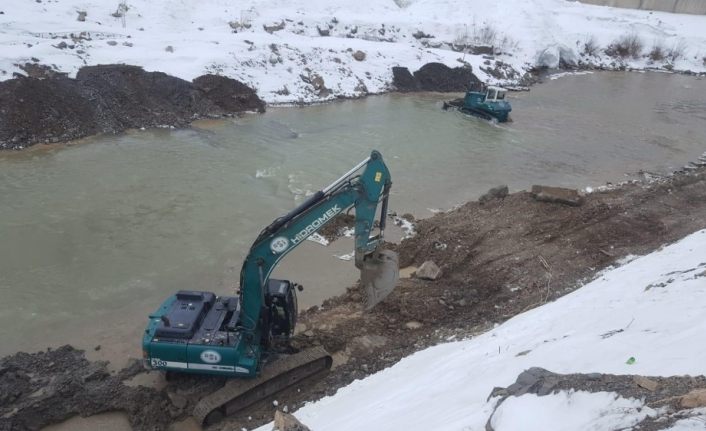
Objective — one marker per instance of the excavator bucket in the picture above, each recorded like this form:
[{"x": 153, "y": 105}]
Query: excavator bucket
[{"x": 378, "y": 276}]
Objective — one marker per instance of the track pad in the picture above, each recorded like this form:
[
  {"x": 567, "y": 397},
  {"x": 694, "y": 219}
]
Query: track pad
[{"x": 378, "y": 276}]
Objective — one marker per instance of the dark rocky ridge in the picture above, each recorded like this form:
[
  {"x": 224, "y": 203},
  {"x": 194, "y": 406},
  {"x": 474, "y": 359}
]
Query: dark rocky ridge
[
  {"x": 110, "y": 99},
  {"x": 434, "y": 77}
]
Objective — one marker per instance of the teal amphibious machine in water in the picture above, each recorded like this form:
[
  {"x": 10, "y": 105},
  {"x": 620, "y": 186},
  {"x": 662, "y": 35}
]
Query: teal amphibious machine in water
[
  {"x": 489, "y": 104},
  {"x": 200, "y": 332}
]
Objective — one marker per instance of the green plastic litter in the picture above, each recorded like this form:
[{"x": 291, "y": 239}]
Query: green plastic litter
[{"x": 630, "y": 360}]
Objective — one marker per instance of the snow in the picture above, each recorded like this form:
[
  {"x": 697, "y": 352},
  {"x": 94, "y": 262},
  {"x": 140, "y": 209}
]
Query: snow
[
  {"x": 697, "y": 422},
  {"x": 187, "y": 38},
  {"x": 575, "y": 411},
  {"x": 650, "y": 309}
]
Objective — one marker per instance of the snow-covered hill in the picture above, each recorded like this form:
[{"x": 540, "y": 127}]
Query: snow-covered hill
[
  {"x": 283, "y": 47},
  {"x": 651, "y": 309}
]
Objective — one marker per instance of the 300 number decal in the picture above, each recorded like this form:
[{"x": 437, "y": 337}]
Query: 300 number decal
[{"x": 155, "y": 363}]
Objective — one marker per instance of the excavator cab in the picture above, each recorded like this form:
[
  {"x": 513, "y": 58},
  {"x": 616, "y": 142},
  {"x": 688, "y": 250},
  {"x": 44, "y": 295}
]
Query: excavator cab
[{"x": 281, "y": 301}]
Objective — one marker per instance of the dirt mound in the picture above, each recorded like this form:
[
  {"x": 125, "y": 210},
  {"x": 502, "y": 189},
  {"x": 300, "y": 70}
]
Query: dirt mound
[
  {"x": 48, "y": 387},
  {"x": 44, "y": 110},
  {"x": 110, "y": 99},
  {"x": 229, "y": 94},
  {"x": 434, "y": 77}
]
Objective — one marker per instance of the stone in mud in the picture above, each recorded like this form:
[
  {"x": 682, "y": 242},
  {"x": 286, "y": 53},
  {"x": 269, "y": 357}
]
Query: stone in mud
[
  {"x": 286, "y": 422},
  {"x": 428, "y": 271},
  {"x": 646, "y": 383},
  {"x": 413, "y": 325},
  {"x": 367, "y": 343},
  {"x": 557, "y": 195},
  {"x": 359, "y": 55},
  {"x": 498, "y": 192},
  {"x": 694, "y": 399}
]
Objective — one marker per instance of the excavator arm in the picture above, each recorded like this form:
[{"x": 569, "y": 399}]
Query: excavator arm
[{"x": 364, "y": 192}]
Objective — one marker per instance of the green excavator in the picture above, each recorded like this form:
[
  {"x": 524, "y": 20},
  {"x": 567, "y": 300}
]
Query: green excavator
[{"x": 242, "y": 336}]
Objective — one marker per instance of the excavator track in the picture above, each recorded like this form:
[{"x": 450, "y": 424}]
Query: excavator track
[{"x": 238, "y": 394}]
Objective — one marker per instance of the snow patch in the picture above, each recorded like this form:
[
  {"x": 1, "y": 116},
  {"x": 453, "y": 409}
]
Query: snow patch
[{"x": 575, "y": 411}]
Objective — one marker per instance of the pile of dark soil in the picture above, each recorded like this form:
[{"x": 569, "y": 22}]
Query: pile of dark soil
[
  {"x": 48, "y": 387},
  {"x": 111, "y": 99},
  {"x": 434, "y": 77}
]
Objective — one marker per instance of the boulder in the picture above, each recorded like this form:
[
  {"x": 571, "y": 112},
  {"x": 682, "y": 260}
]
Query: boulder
[
  {"x": 359, "y": 55},
  {"x": 286, "y": 422},
  {"x": 274, "y": 27},
  {"x": 498, "y": 192},
  {"x": 428, "y": 271},
  {"x": 367, "y": 343},
  {"x": 646, "y": 383},
  {"x": 557, "y": 195},
  {"x": 694, "y": 399}
]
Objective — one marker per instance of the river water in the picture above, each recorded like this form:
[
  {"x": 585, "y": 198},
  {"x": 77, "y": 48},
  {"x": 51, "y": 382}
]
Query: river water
[{"x": 94, "y": 235}]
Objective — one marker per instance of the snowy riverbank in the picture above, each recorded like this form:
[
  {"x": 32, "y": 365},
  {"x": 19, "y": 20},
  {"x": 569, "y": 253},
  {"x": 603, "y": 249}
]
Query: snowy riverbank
[
  {"x": 288, "y": 51},
  {"x": 645, "y": 318}
]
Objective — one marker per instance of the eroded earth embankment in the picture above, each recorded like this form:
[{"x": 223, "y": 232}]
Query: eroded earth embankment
[
  {"x": 498, "y": 257},
  {"x": 48, "y": 107}
]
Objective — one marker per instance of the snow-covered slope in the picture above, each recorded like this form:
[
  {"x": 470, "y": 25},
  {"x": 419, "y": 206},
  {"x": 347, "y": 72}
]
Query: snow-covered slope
[
  {"x": 188, "y": 38},
  {"x": 651, "y": 309}
]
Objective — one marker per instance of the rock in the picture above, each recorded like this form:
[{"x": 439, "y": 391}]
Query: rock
[
  {"x": 317, "y": 82},
  {"x": 694, "y": 399},
  {"x": 498, "y": 192},
  {"x": 421, "y": 35},
  {"x": 81, "y": 16},
  {"x": 557, "y": 195},
  {"x": 367, "y": 343},
  {"x": 403, "y": 80},
  {"x": 413, "y": 325},
  {"x": 323, "y": 31},
  {"x": 286, "y": 422},
  {"x": 61, "y": 45},
  {"x": 169, "y": 48},
  {"x": 179, "y": 401},
  {"x": 646, "y": 383},
  {"x": 428, "y": 271},
  {"x": 273, "y": 28},
  {"x": 359, "y": 55},
  {"x": 112, "y": 42}
]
